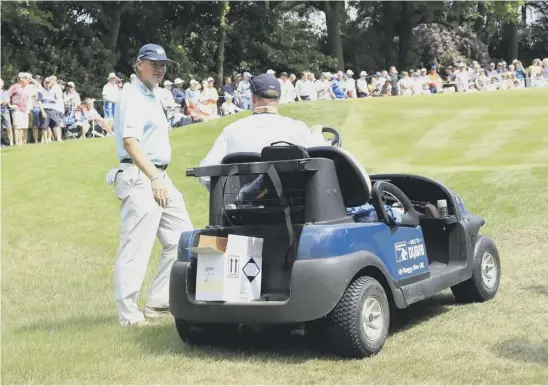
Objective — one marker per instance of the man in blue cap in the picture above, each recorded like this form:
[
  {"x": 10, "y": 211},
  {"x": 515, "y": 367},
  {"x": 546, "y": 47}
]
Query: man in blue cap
[
  {"x": 151, "y": 206},
  {"x": 263, "y": 127}
]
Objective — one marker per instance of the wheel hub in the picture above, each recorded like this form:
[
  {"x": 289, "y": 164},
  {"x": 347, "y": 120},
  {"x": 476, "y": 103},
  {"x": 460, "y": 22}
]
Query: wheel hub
[
  {"x": 372, "y": 318},
  {"x": 488, "y": 270}
]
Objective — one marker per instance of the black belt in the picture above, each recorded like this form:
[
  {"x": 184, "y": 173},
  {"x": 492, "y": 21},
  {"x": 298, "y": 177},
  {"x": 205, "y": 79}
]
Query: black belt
[{"x": 130, "y": 161}]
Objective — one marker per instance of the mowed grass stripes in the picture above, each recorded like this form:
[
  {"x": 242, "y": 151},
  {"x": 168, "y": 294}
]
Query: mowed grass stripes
[{"x": 60, "y": 234}]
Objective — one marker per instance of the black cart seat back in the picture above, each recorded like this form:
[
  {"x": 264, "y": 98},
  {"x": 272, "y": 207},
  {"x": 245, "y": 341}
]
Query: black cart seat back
[
  {"x": 241, "y": 157},
  {"x": 354, "y": 182},
  {"x": 310, "y": 188}
]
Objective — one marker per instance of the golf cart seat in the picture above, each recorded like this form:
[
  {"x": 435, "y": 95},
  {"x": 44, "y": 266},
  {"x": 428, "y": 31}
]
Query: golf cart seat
[
  {"x": 353, "y": 180},
  {"x": 241, "y": 157}
]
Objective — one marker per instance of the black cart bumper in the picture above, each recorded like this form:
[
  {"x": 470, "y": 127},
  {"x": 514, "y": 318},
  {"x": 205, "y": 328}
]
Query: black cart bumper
[{"x": 315, "y": 288}]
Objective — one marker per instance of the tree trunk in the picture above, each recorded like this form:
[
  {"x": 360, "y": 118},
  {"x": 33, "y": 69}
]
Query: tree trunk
[
  {"x": 111, "y": 20},
  {"x": 405, "y": 35},
  {"x": 224, "y": 7},
  {"x": 511, "y": 41},
  {"x": 389, "y": 32},
  {"x": 333, "y": 14},
  {"x": 478, "y": 23}
]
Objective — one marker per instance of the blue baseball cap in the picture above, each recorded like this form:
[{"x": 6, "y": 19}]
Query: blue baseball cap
[
  {"x": 152, "y": 52},
  {"x": 260, "y": 84}
]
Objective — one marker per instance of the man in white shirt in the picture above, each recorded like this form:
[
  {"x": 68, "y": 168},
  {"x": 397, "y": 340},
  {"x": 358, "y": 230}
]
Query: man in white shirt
[
  {"x": 265, "y": 126},
  {"x": 167, "y": 100},
  {"x": 304, "y": 88},
  {"x": 323, "y": 87},
  {"x": 463, "y": 78},
  {"x": 288, "y": 90},
  {"x": 363, "y": 91},
  {"x": 150, "y": 205},
  {"x": 350, "y": 85},
  {"x": 111, "y": 92}
]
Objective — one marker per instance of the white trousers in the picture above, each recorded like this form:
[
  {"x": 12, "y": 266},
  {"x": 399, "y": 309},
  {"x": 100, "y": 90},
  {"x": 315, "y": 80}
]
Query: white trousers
[{"x": 141, "y": 221}]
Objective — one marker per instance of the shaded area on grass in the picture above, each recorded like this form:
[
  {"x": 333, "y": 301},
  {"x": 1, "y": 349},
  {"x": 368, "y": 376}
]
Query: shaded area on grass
[
  {"x": 539, "y": 289},
  {"x": 523, "y": 350},
  {"x": 421, "y": 312},
  {"x": 276, "y": 344}
]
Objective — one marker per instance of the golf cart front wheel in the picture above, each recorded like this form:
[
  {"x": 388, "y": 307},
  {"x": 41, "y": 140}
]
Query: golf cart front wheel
[
  {"x": 485, "y": 280},
  {"x": 358, "y": 325}
]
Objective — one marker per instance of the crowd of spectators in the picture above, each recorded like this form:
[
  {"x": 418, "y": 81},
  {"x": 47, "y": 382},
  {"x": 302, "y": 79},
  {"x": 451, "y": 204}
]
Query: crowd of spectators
[{"x": 40, "y": 111}]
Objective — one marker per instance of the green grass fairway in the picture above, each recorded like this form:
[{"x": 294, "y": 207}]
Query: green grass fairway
[{"x": 60, "y": 235}]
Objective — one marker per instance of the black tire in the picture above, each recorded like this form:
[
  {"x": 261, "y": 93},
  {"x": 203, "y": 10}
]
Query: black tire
[
  {"x": 346, "y": 331},
  {"x": 476, "y": 289},
  {"x": 203, "y": 333}
]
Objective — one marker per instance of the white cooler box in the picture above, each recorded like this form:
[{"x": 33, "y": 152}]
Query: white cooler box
[{"x": 229, "y": 269}]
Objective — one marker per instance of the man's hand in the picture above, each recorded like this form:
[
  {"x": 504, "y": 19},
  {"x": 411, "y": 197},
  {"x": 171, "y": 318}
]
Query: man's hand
[
  {"x": 160, "y": 190},
  {"x": 160, "y": 186}
]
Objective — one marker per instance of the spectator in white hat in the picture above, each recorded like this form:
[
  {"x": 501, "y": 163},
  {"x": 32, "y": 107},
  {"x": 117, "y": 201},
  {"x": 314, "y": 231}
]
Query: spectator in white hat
[
  {"x": 228, "y": 108},
  {"x": 210, "y": 96},
  {"x": 20, "y": 116},
  {"x": 324, "y": 87},
  {"x": 462, "y": 78},
  {"x": 350, "y": 85},
  {"x": 271, "y": 72},
  {"x": 363, "y": 91},
  {"x": 178, "y": 94},
  {"x": 167, "y": 100},
  {"x": 111, "y": 92},
  {"x": 71, "y": 98},
  {"x": 192, "y": 92},
  {"x": 132, "y": 78}
]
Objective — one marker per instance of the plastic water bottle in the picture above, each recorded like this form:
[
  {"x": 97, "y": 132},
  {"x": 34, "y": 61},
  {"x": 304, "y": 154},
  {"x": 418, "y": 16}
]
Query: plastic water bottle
[{"x": 442, "y": 207}]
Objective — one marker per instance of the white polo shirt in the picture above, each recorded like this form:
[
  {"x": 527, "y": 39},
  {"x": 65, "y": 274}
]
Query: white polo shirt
[
  {"x": 253, "y": 133},
  {"x": 139, "y": 114},
  {"x": 111, "y": 92}
]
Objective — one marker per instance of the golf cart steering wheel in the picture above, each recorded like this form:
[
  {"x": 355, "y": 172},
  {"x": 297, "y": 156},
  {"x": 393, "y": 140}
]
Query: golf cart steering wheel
[
  {"x": 384, "y": 191},
  {"x": 337, "y": 138}
]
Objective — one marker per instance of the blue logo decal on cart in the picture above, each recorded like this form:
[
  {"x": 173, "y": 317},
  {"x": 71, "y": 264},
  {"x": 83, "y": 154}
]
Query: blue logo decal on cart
[{"x": 411, "y": 257}]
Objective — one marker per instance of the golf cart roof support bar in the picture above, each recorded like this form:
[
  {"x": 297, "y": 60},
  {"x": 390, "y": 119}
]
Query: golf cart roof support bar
[{"x": 303, "y": 165}]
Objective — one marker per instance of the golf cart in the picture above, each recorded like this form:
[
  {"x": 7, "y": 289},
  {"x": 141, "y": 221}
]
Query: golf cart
[{"x": 322, "y": 266}]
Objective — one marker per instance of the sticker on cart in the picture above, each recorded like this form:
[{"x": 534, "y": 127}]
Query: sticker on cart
[
  {"x": 401, "y": 251},
  {"x": 233, "y": 263},
  {"x": 411, "y": 257}
]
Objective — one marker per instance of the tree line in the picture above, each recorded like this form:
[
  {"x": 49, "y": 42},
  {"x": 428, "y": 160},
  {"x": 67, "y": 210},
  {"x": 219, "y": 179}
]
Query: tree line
[{"x": 84, "y": 41}]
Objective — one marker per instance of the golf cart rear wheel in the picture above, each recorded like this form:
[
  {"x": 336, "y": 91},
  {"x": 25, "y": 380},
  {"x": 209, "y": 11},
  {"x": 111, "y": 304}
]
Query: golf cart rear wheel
[
  {"x": 485, "y": 280},
  {"x": 202, "y": 333},
  {"x": 358, "y": 325}
]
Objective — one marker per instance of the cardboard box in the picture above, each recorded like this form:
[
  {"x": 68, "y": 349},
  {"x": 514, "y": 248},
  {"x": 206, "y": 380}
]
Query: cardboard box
[{"x": 229, "y": 269}]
